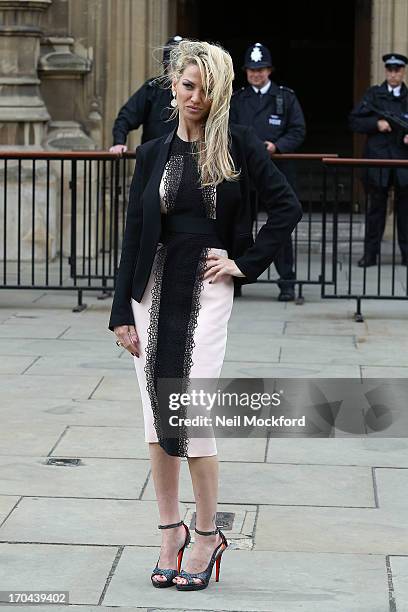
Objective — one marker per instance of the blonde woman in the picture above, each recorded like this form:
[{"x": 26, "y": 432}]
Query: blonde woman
[{"x": 187, "y": 238}]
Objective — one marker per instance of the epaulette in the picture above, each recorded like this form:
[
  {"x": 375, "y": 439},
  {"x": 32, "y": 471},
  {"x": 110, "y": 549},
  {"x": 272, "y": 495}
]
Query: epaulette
[
  {"x": 286, "y": 88},
  {"x": 238, "y": 91}
]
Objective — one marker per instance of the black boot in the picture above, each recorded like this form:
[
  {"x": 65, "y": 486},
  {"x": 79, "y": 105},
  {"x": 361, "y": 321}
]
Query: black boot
[
  {"x": 367, "y": 261},
  {"x": 287, "y": 294}
]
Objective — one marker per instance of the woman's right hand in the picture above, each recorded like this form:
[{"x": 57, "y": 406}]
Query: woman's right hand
[
  {"x": 128, "y": 336},
  {"x": 118, "y": 149}
]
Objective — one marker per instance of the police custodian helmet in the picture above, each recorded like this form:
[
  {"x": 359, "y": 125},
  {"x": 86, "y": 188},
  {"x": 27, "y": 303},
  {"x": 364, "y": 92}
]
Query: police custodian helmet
[
  {"x": 258, "y": 56},
  {"x": 395, "y": 59}
]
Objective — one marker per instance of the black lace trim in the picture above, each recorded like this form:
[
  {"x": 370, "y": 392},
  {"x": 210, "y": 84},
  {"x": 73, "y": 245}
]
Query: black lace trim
[
  {"x": 152, "y": 337},
  {"x": 195, "y": 308},
  {"x": 209, "y": 195},
  {"x": 171, "y": 180}
]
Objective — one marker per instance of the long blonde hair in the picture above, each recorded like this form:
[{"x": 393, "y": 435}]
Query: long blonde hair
[{"x": 217, "y": 73}]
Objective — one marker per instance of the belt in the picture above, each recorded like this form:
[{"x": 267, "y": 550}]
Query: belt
[{"x": 190, "y": 225}]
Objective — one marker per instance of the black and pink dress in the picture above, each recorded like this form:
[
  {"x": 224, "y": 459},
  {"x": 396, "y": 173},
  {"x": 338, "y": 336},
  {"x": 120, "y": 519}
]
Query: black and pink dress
[{"x": 182, "y": 319}]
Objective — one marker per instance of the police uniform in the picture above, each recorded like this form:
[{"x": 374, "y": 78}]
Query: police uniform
[
  {"x": 384, "y": 145},
  {"x": 148, "y": 106},
  {"x": 275, "y": 115}
]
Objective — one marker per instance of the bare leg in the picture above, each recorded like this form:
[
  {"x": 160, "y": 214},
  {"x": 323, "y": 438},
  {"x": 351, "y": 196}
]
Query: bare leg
[
  {"x": 204, "y": 476},
  {"x": 165, "y": 472}
]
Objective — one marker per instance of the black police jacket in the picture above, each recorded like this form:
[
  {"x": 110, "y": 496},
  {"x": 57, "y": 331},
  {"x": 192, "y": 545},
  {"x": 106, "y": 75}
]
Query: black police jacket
[
  {"x": 150, "y": 107},
  {"x": 278, "y": 118},
  {"x": 233, "y": 216},
  {"x": 382, "y": 145}
]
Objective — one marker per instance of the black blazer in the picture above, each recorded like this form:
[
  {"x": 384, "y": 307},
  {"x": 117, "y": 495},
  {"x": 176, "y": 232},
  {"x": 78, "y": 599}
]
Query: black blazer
[{"x": 233, "y": 216}]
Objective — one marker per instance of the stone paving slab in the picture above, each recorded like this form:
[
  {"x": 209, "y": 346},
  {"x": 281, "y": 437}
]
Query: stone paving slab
[
  {"x": 385, "y": 328},
  {"x": 258, "y": 326},
  {"x": 387, "y": 452},
  {"x": 241, "y": 449},
  {"x": 114, "y": 388},
  {"x": 381, "y": 354},
  {"x": 399, "y": 569},
  {"x": 286, "y": 484},
  {"x": 14, "y": 386},
  {"x": 313, "y": 307},
  {"x": 84, "y": 521},
  {"x": 29, "y": 439},
  {"x": 24, "y": 298},
  {"x": 392, "y": 486},
  {"x": 57, "y": 347},
  {"x": 26, "y": 313},
  {"x": 119, "y": 442},
  {"x": 16, "y": 364},
  {"x": 53, "y": 608},
  {"x": 249, "y": 369},
  {"x": 81, "y": 366},
  {"x": 342, "y": 327},
  {"x": 36, "y": 330},
  {"x": 7, "y": 503},
  {"x": 319, "y": 498},
  {"x": 129, "y": 442},
  {"x": 328, "y": 530},
  {"x": 89, "y": 332},
  {"x": 65, "y": 299},
  {"x": 244, "y": 347},
  {"x": 384, "y": 372},
  {"x": 102, "y": 522},
  {"x": 91, "y": 412},
  {"x": 81, "y": 570},
  {"x": 294, "y": 582},
  {"x": 96, "y": 478}
]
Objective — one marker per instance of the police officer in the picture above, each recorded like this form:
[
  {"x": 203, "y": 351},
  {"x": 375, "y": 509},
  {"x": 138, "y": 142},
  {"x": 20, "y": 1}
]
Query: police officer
[
  {"x": 385, "y": 140},
  {"x": 277, "y": 118},
  {"x": 148, "y": 106}
]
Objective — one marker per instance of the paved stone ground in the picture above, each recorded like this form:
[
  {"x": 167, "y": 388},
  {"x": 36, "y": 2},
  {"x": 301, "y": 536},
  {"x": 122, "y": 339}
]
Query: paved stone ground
[{"x": 320, "y": 525}]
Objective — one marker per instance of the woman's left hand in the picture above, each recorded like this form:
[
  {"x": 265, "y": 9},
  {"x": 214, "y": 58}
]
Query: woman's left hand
[{"x": 218, "y": 266}]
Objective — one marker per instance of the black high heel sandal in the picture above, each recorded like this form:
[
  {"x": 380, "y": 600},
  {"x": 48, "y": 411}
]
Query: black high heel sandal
[
  {"x": 170, "y": 573},
  {"x": 205, "y": 575}
]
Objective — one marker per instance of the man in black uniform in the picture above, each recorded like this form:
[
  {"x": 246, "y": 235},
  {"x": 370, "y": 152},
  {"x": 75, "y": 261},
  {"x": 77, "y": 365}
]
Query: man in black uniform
[
  {"x": 148, "y": 106},
  {"x": 277, "y": 118},
  {"x": 384, "y": 141}
]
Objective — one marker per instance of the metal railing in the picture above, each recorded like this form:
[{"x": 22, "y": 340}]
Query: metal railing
[
  {"x": 61, "y": 215},
  {"x": 308, "y": 172},
  {"x": 62, "y": 219},
  {"x": 345, "y": 229}
]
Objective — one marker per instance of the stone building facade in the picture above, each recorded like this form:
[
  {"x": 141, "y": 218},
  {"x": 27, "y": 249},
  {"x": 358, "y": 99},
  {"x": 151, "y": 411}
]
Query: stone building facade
[{"x": 68, "y": 65}]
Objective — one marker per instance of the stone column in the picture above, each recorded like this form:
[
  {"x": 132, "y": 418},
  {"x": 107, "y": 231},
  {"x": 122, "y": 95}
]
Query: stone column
[
  {"x": 157, "y": 34},
  {"x": 389, "y": 33},
  {"x": 23, "y": 113}
]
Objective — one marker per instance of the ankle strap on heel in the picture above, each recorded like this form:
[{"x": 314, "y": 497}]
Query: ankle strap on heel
[
  {"x": 207, "y": 532},
  {"x": 171, "y": 525}
]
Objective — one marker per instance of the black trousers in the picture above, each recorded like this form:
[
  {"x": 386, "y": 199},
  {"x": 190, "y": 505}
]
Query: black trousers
[
  {"x": 284, "y": 259},
  {"x": 376, "y": 217}
]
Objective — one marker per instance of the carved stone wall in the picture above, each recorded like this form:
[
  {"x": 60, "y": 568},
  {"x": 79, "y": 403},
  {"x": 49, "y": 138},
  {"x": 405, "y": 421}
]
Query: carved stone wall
[
  {"x": 389, "y": 33},
  {"x": 78, "y": 62}
]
